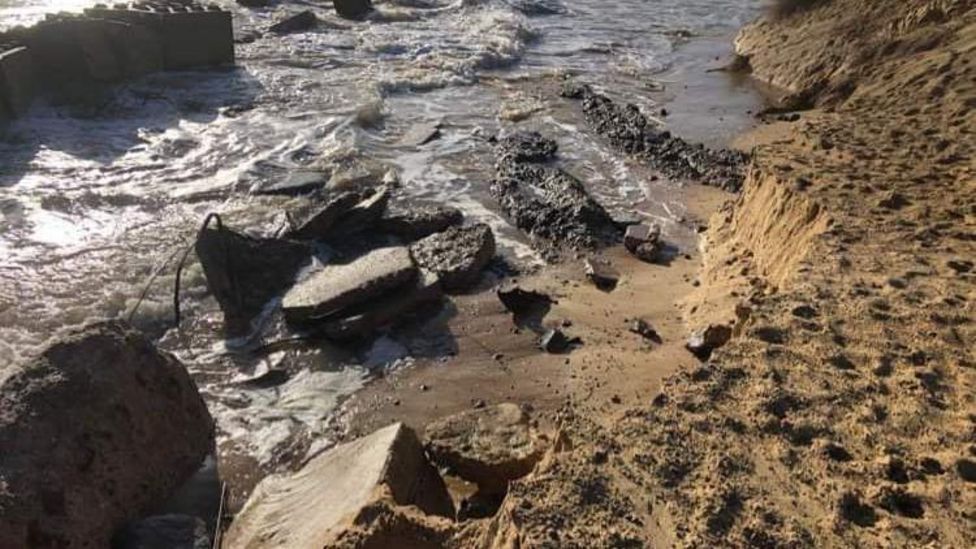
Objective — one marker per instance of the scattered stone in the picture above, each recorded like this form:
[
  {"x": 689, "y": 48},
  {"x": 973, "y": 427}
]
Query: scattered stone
[
  {"x": 421, "y": 135},
  {"x": 528, "y": 307},
  {"x": 601, "y": 274},
  {"x": 353, "y": 9},
  {"x": 243, "y": 272},
  {"x": 852, "y": 509},
  {"x": 337, "y": 287},
  {"x": 703, "y": 343},
  {"x": 805, "y": 312},
  {"x": 340, "y": 490},
  {"x": 417, "y": 222},
  {"x": 642, "y": 328},
  {"x": 457, "y": 255},
  {"x": 554, "y": 342},
  {"x": 644, "y": 241},
  {"x": 385, "y": 310},
  {"x": 164, "y": 532},
  {"x": 95, "y": 430},
  {"x": 490, "y": 447},
  {"x": 301, "y": 21}
]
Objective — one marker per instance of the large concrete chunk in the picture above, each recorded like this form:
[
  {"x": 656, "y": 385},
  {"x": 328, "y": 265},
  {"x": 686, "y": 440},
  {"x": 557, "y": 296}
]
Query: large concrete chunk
[
  {"x": 457, "y": 255},
  {"x": 386, "y": 310},
  {"x": 415, "y": 222},
  {"x": 489, "y": 446},
  {"x": 337, "y": 287},
  {"x": 337, "y": 491},
  {"x": 94, "y": 431},
  {"x": 16, "y": 80}
]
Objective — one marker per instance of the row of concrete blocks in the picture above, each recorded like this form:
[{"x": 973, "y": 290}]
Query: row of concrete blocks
[{"x": 110, "y": 44}]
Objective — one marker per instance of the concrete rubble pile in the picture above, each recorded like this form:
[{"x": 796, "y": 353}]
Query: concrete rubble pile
[{"x": 108, "y": 44}]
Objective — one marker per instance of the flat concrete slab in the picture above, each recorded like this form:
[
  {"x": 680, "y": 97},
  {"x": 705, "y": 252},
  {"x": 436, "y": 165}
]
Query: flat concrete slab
[
  {"x": 313, "y": 507},
  {"x": 387, "y": 309},
  {"x": 337, "y": 287}
]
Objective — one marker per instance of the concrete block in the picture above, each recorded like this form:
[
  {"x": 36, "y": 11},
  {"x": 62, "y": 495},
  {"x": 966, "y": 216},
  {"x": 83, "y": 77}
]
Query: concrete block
[
  {"x": 16, "y": 80},
  {"x": 337, "y": 490}
]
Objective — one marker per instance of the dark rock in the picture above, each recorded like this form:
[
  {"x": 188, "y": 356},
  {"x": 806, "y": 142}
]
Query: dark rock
[
  {"x": 254, "y": 3},
  {"x": 164, "y": 532},
  {"x": 353, "y": 9},
  {"x": 301, "y": 21},
  {"x": 527, "y": 147},
  {"x": 413, "y": 223},
  {"x": 894, "y": 201},
  {"x": 528, "y": 307},
  {"x": 554, "y": 341},
  {"x": 384, "y": 310},
  {"x": 457, "y": 255},
  {"x": 601, "y": 274},
  {"x": 629, "y": 130},
  {"x": 490, "y": 446},
  {"x": 966, "y": 469},
  {"x": 960, "y": 266},
  {"x": 337, "y": 287},
  {"x": 804, "y": 311},
  {"x": 852, "y": 509},
  {"x": 702, "y": 343},
  {"x": 243, "y": 272},
  {"x": 319, "y": 224},
  {"x": 645, "y": 330},
  {"x": 551, "y": 206},
  {"x": 95, "y": 430},
  {"x": 644, "y": 241},
  {"x": 899, "y": 501},
  {"x": 538, "y": 7}
]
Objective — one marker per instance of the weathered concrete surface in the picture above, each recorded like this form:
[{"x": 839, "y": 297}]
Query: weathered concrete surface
[
  {"x": 338, "y": 491},
  {"x": 549, "y": 204},
  {"x": 337, "y": 287},
  {"x": 96, "y": 429},
  {"x": 489, "y": 446},
  {"x": 386, "y": 309},
  {"x": 457, "y": 255},
  {"x": 164, "y": 532},
  {"x": 629, "y": 130},
  {"x": 244, "y": 272},
  {"x": 415, "y": 222},
  {"x": 16, "y": 81}
]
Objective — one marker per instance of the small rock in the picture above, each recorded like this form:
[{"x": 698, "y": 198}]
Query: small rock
[
  {"x": 966, "y": 469},
  {"x": 414, "y": 223},
  {"x": 642, "y": 328},
  {"x": 353, "y": 9},
  {"x": 894, "y": 201},
  {"x": 601, "y": 274},
  {"x": 643, "y": 241},
  {"x": 457, "y": 255},
  {"x": 555, "y": 341},
  {"x": 299, "y": 22},
  {"x": 702, "y": 343},
  {"x": 960, "y": 266},
  {"x": 528, "y": 307},
  {"x": 319, "y": 225}
]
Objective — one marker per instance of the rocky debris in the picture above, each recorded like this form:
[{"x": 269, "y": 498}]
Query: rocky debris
[
  {"x": 555, "y": 342},
  {"x": 95, "y": 430},
  {"x": 703, "y": 342},
  {"x": 337, "y": 287},
  {"x": 629, "y": 130},
  {"x": 601, "y": 274},
  {"x": 353, "y": 9},
  {"x": 319, "y": 224},
  {"x": 299, "y": 22},
  {"x": 363, "y": 215},
  {"x": 421, "y": 135},
  {"x": 413, "y": 223},
  {"x": 164, "y": 532},
  {"x": 549, "y": 204},
  {"x": 292, "y": 184},
  {"x": 348, "y": 488},
  {"x": 457, "y": 256},
  {"x": 367, "y": 318},
  {"x": 643, "y": 241},
  {"x": 490, "y": 447},
  {"x": 642, "y": 328},
  {"x": 254, "y": 3},
  {"x": 244, "y": 272},
  {"x": 527, "y": 147},
  {"x": 528, "y": 307}
]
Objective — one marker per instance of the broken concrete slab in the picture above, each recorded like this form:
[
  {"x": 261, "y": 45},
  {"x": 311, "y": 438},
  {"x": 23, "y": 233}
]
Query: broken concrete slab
[
  {"x": 643, "y": 241},
  {"x": 337, "y": 287},
  {"x": 386, "y": 309},
  {"x": 301, "y": 21},
  {"x": 96, "y": 429},
  {"x": 457, "y": 255},
  {"x": 339, "y": 491},
  {"x": 245, "y": 272},
  {"x": 490, "y": 447},
  {"x": 415, "y": 222},
  {"x": 363, "y": 215}
]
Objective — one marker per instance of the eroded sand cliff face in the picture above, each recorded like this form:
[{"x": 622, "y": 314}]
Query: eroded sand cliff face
[{"x": 842, "y": 412}]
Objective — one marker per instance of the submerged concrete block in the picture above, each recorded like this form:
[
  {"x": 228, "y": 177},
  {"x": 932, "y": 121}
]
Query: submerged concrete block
[
  {"x": 338, "y": 490},
  {"x": 16, "y": 81},
  {"x": 191, "y": 35}
]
